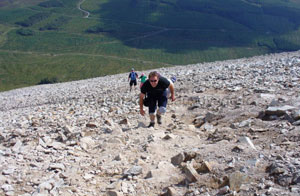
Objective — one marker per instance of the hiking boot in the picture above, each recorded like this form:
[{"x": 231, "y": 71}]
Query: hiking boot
[
  {"x": 151, "y": 124},
  {"x": 158, "y": 118}
]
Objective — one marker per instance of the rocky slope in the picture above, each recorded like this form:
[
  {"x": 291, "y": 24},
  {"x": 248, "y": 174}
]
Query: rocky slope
[{"x": 233, "y": 130}]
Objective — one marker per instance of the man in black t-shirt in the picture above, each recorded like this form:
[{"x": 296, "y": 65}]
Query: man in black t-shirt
[{"x": 156, "y": 90}]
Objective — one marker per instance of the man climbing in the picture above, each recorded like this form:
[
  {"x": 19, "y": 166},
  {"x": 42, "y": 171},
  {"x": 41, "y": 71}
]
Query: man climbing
[
  {"x": 132, "y": 77},
  {"x": 156, "y": 89}
]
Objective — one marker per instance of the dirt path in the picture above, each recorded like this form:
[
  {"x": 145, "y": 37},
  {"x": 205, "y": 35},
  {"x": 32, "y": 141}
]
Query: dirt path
[{"x": 86, "y": 13}]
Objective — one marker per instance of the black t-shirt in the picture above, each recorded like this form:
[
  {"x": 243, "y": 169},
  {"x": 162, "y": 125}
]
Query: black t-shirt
[{"x": 163, "y": 84}]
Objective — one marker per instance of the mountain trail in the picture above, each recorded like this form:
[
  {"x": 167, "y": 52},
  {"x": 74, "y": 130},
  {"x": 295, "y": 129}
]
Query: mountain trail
[
  {"x": 86, "y": 13},
  {"x": 232, "y": 130}
]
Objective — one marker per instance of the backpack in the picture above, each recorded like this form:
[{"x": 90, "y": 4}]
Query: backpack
[{"x": 133, "y": 76}]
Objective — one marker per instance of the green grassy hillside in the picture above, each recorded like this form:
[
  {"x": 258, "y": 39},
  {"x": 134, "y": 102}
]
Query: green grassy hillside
[{"x": 55, "y": 39}]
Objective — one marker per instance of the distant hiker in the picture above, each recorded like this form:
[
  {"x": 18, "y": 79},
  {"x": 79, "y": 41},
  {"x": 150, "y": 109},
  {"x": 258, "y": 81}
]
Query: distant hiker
[
  {"x": 143, "y": 79},
  {"x": 172, "y": 80},
  {"x": 132, "y": 77},
  {"x": 156, "y": 90}
]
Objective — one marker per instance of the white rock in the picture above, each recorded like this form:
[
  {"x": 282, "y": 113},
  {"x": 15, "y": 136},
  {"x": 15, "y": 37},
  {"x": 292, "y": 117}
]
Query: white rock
[
  {"x": 247, "y": 140},
  {"x": 7, "y": 187},
  {"x": 17, "y": 146},
  {"x": 46, "y": 186}
]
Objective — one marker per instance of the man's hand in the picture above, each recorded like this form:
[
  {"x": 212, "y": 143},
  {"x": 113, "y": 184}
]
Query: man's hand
[
  {"x": 173, "y": 97},
  {"x": 142, "y": 112},
  {"x": 142, "y": 96},
  {"x": 172, "y": 92}
]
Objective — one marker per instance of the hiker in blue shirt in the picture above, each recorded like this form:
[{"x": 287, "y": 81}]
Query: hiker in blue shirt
[{"x": 132, "y": 77}]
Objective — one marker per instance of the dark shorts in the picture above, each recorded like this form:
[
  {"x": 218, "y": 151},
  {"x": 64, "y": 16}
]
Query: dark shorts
[
  {"x": 160, "y": 101},
  {"x": 132, "y": 82}
]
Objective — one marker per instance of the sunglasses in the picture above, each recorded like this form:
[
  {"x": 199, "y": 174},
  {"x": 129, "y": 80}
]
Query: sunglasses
[{"x": 153, "y": 80}]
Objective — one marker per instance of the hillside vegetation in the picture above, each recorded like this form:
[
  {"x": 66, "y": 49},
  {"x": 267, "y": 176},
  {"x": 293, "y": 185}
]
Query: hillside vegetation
[{"x": 57, "y": 39}]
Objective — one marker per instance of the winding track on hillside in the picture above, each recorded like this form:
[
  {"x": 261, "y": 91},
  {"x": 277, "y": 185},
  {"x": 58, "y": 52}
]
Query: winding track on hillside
[
  {"x": 161, "y": 29},
  {"x": 86, "y": 13}
]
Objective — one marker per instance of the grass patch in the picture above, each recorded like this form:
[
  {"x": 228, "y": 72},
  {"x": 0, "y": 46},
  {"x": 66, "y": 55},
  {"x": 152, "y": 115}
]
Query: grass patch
[
  {"x": 51, "y": 3},
  {"x": 33, "y": 19},
  {"x": 4, "y": 29},
  {"x": 27, "y": 69},
  {"x": 56, "y": 23}
]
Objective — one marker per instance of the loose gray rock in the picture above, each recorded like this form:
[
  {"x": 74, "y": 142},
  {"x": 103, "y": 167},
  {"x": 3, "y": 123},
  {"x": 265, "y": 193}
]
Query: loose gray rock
[
  {"x": 87, "y": 137},
  {"x": 135, "y": 170}
]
